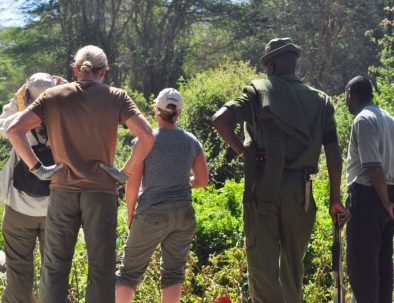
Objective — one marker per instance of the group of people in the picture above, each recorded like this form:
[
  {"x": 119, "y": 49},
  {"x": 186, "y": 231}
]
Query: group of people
[
  {"x": 81, "y": 120},
  {"x": 286, "y": 123}
]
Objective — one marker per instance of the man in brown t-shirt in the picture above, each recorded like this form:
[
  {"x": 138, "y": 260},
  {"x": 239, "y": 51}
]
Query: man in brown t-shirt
[{"x": 82, "y": 120}]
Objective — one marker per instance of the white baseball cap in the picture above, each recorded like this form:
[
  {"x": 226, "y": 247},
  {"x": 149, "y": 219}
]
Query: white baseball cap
[
  {"x": 169, "y": 96},
  {"x": 39, "y": 82}
]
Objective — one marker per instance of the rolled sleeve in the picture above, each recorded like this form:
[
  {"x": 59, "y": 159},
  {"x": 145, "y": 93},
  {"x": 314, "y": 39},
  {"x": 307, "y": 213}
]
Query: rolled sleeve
[
  {"x": 38, "y": 106},
  {"x": 240, "y": 108}
]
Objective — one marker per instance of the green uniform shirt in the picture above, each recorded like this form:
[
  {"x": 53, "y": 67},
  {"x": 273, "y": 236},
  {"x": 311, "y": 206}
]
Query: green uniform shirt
[{"x": 318, "y": 115}]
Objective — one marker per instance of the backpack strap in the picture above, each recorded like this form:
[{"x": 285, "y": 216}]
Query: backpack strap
[{"x": 34, "y": 133}]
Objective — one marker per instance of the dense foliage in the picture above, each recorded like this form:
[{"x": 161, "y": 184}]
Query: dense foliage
[
  {"x": 217, "y": 263},
  {"x": 151, "y": 43},
  {"x": 204, "y": 94}
]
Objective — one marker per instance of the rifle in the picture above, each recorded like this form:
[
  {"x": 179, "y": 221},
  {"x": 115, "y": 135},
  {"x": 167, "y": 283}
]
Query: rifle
[{"x": 339, "y": 291}]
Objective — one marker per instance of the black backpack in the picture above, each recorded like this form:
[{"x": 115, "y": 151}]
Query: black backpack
[{"x": 24, "y": 180}]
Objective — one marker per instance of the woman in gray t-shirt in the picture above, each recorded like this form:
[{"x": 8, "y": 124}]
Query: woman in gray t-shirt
[{"x": 164, "y": 215}]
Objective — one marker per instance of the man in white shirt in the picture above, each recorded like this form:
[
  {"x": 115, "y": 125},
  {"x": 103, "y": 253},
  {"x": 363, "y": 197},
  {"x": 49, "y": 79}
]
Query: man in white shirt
[{"x": 370, "y": 181}]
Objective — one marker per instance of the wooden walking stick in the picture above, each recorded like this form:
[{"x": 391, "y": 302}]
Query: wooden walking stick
[{"x": 339, "y": 291}]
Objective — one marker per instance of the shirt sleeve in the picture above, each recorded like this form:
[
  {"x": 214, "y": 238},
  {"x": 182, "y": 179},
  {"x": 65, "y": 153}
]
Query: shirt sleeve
[
  {"x": 241, "y": 108},
  {"x": 366, "y": 132},
  {"x": 197, "y": 146},
  {"x": 8, "y": 114},
  {"x": 38, "y": 106},
  {"x": 129, "y": 108}
]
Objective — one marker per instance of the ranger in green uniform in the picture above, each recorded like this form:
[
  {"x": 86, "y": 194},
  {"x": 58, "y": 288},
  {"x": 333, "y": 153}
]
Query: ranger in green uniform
[{"x": 286, "y": 123}]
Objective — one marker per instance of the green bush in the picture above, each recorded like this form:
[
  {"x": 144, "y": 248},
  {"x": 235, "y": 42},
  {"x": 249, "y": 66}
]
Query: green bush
[
  {"x": 219, "y": 219},
  {"x": 318, "y": 280},
  {"x": 384, "y": 74},
  {"x": 204, "y": 94},
  {"x": 143, "y": 104}
]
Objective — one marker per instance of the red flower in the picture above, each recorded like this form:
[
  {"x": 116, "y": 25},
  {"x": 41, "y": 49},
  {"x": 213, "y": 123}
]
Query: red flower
[{"x": 222, "y": 299}]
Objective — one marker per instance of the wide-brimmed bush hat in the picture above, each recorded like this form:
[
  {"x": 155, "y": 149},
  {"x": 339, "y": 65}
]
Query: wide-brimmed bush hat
[{"x": 277, "y": 47}]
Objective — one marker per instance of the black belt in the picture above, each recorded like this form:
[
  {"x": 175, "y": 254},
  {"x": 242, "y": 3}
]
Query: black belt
[
  {"x": 297, "y": 173},
  {"x": 356, "y": 185}
]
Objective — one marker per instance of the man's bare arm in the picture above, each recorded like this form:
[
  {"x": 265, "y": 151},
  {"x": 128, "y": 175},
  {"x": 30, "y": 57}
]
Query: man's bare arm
[
  {"x": 132, "y": 190},
  {"x": 200, "y": 172},
  {"x": 224, "y": 122},
  {"x": 334, "y": 167},
  {"x": 141, "y": 128}
]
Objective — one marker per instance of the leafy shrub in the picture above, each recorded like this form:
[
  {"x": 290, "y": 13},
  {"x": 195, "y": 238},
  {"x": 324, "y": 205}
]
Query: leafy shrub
[
  {"x": 143, "y": 104},
  {"x": 318, "y": 280},
  {"x": 219, "y": 219},
  {"x": 383, "y": 75},
  {"x": 204, "y": 94}
]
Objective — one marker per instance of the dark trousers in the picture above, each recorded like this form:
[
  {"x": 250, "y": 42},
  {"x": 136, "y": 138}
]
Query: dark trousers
[
  {"x": 67, "y": 211},
  {"x": 370, "y": 246}
]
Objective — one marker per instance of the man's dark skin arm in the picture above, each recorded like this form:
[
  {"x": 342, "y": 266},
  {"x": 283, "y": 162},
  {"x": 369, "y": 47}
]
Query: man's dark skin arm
[
  {"x": 334, "y": 167},
  {"x": 224, "y": 122},
  {"x": 376, "y": 174}
]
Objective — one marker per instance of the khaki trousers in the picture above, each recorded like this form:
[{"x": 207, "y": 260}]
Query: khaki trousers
[
  {"x": 67, "y": 211},
  {"x": 170, "y": 224},
  {"x": 277, "y": 236},
  {"x": 20, "y": 236}
]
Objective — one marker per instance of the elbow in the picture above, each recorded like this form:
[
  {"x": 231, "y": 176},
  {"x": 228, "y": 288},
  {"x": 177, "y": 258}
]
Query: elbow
[
  {"x": 148, "y": 139},
  {"x": 11, "y": 131},
  {"x": 204, "y": 183},
  {"x": 201, "y": 182},
  {"x": 216, "y": 121}
]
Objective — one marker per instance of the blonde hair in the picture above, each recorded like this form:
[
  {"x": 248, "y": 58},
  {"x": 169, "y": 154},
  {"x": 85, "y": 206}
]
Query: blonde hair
[{"x": 90, "y": 58}]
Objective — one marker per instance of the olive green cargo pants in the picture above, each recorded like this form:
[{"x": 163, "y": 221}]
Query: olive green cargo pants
[
  {"x": 97, "y": 214},
  {"x": 20, "y": 237},
  {"x": 277, "y": 236}
]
